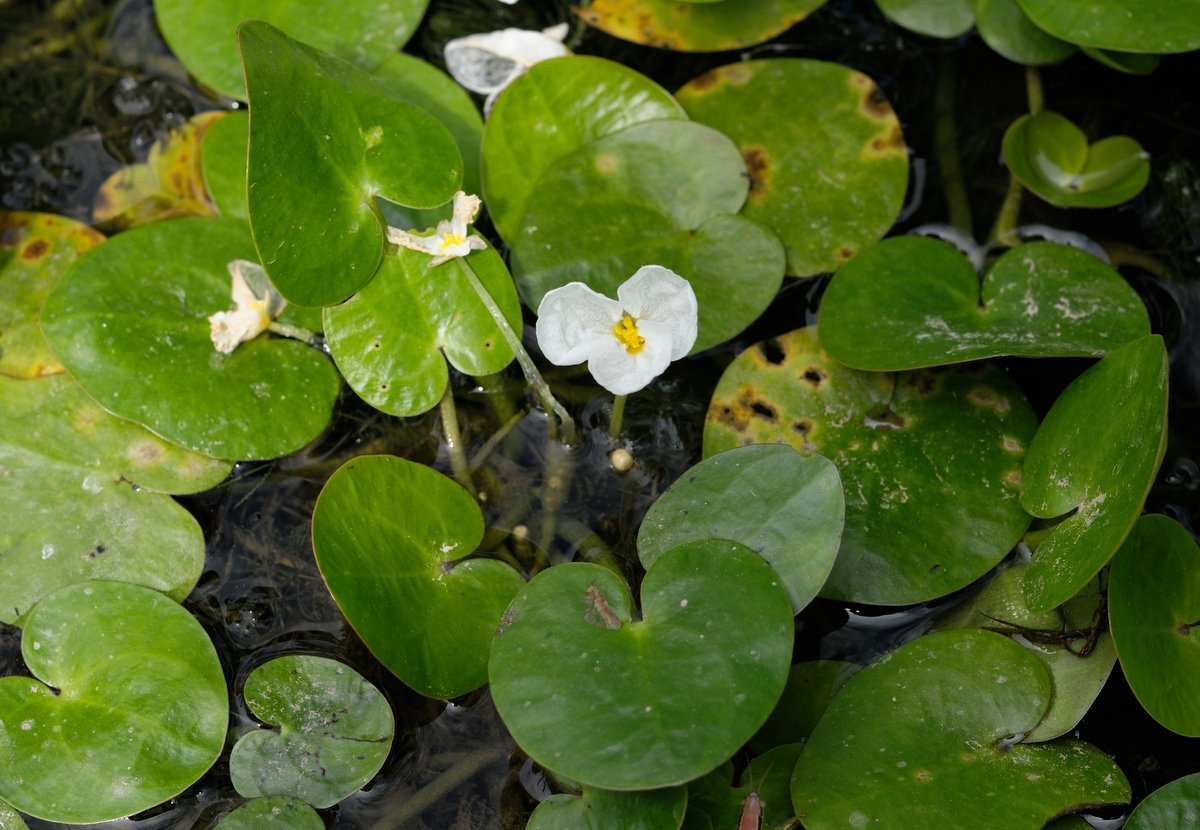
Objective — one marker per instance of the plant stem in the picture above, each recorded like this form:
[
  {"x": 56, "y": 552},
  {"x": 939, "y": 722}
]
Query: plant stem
[
  {"x": 1033, "y": 90},
  {"x": 294, "y": 332},
  {"x": 1010, "y": 211},
  {"x": 958, "y": 206},
  {"x": 618, "y": 415},
  {"x": 439, "y": 787},
  {"x": 540, "y": 387},
  {"x": 458, "y": 457},
  {"x": 554, "y": 492}
]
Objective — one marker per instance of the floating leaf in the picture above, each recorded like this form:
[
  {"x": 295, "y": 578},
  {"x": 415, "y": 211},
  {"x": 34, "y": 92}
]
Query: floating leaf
[
  {"x": 1051, "y": 157},
  {"x": 79, "y": 498},
  {"x": 392, "y": 339},
  {"x": 1093, "y": 461},
  {"x": 810, "y": 687},
  {"x": 335, "y": 731},
  {"x": 599, "y": 809},
  {"x": 555, "y": 108},
  {"x": 826, "y": 157},
  {"x": 1159, "y": 26},
  {"x": 1078, "y": 678},
  {"x": 712, "y": 27},
  {"x": 1154, "y": 608},
  {"x": 203, "y": 35},
  {"x": 1006, "y": 28},
  {"x": 780, "y": 504},
  {"x": 276, "y": 813},
  {"x": 938, "y": 724},
  {"x": 914, "y": 301},
  {"x": 224, "y": 160},
  {"x": 935, "y": 18},
  {"x": 391, "y": 539},
  {"x": 325, "y": 140},
  {"x": 130, "y": 322},
  {"x": 929, "y": 461},
  {"x": 621, "y": 704},
  {"x": 10, "y": 819},
  {"x": 664, "y": 192},
  {"x": 767, "y": 776},
  {"x": 1175, "y": 805},
  {"x": 128, "y": 707},
  {"x": 35, "y": 250}
]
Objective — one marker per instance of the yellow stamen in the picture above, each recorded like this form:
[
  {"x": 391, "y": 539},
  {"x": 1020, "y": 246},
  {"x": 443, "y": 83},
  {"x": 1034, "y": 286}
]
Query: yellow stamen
[
  {"x": 627, "y": 332},
  {"x": 451, "y": 239}
]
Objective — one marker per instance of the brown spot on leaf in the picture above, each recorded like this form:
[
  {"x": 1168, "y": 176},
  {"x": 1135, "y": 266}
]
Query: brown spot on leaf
[
  {"x": 923, "y": 383},
  {"x": 802, "y": 428},
  {"x": 875, "y": 104},
  {"x": 35, "y": 250},
  {"x": 986, "y": 398},
  {"x": 773, "y": 351},
  {"x": 884, "y": 417},
  {"x": 758, "y": 168},
  {"x": 764, "y": 411},
  {"x": 889, "y": 143},
  {"x": 844, "y": 253},
  {"x": 705, "y": 82},
  {"x": 813, "y": 376}
]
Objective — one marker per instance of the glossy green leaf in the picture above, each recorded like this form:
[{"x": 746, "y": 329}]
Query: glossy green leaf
[
  {"x": 325, "y": 140},
  {"x": 1051, "y": 157},
  {"x": 826, "y": 157},
  {"x": 1131, "y": 63},
  {"x": 552, "y": 110},
  {"x": 224, "y": 161},
  {"x": 664, "y": 192},
  {"x": 713, "y": 27},
  {"x": 276, "y": 813},
  {"x": 335, "y": 731},
  {"x": 935, "y": 18},
  {"x": 929, "y": 461},
  {"x": 79, "y": 498},
  {"x": 599, "y": 809},
  {"x": 811, "y": 685},
  {"x": 130, "y": 322},
  {"x": 1160, "y": 26},
  {"x": 1093, "y": 461},
  {"x": 392, "y": 339},
  {"x": 913, "y": 301},
  {"x": 1006, "y": 28},
  {"x": 1175, "y": 805},
  {"x": 10, "y": 819},
  {"x": 1154, "y": 609},
  {"x": 786, "y": 507},
  {"x": 391, "y": 539},
  {"x": 619, "y": 703},
  {"x": 1000, "y": 606},
  {"x": 767, "y": 776},
  {"x": 36, "y": 249},
  {"x": 203, "y": 35},
  {"x": 128, "y": 707},
  {"x": 937, "y": 725}
]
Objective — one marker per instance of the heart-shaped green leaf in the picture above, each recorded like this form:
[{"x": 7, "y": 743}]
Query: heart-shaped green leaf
[
  {"x": 1154, "y": 609},
  {"x": 935, "y": 18},
  {"x": 130, "y": 321},
  {"x": 325, "y": 140},
  {"x": 768, "y": 777},
  {"x": 335, "y": 731},
  {"x": 938, "y": 724},
  {"x": 1175, "y": 805},
  {"x": 392, "y": 339},
  {"x": 664, "y": 192},
  {"x": 1159, "y": 26},
  {"x": 83, "y": 497},
  {"x": 1074, "y": 646},
  {"x": 36, "y": 249},
  {"x": 391, "y": 537},
  {"x": 276, "y": 813},
  {"x": 553, "y": 109},
  {"x": 1006, "y": 28},
  {"x": 913, "y": 301},
  {"x": 826, "y": 157},
  {"x": 203, "y": 36},
  {"x": 784, "y": 506},
  {"x": 1052, "y": 158},
  {"x": 619, "y": 703},
  {"x": 129, "y": 706},
  {"x": 712, "y": 27},
  {"x": 602, "y": 809},
  {"x": 929, "y": 461},
  {"x": 1093, "y": 461}
]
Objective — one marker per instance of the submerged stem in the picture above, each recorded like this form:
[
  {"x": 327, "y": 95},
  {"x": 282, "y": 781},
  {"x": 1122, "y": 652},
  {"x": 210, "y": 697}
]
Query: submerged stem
[
  {"x": 454, "y": 444},
  {"x": 958, "y": 205},
  {"x": 439, "y": 787}
]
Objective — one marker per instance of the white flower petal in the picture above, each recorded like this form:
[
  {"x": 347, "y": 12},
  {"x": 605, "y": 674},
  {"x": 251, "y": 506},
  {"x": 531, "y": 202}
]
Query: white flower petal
[
  {"x": 466, "y": 208},
  {"x": 229, "y": 328},
  {"x": 487, "y": 62},
  {"x": 425, "y": 244},
  {"x": 659, "y": 294},
  {"x": 623, "y": 373},
  {"x": 573, "y": 321}
]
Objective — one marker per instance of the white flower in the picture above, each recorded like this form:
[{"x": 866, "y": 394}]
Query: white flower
[
  {"x": 489, "y": 61},
  {"x": 627, "y": 342},
  {"x": 451, "y": 239},
  {"x": 257, "y": 306}
]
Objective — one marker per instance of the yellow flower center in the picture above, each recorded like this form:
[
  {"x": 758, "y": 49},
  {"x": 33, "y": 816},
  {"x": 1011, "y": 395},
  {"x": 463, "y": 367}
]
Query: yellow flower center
[
  {"x": 627, "y": 332},
  {"x": 450, "y": 240}
]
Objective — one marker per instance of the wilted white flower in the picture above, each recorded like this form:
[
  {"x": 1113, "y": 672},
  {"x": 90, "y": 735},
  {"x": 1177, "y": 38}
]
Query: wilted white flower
[
  {"x": 489, "y": 61},
  {"x": 451, "y": 239},
  {"x": 627, "y": 342},
  {"x": 257, "y": 301}
]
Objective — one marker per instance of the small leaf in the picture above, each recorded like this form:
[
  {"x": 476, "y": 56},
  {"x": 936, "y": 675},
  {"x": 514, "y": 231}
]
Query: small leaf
[
  {"x": 598, "y": 809},
  {"x": 1175, "y": 805},
  {"x": 275, "y": 813},
  {"x": 712, "y": 27},
  {"x": 935, "y": 18},
  {"x": 1006, "y": 28},
  {"x": 1158, "y": 26}
]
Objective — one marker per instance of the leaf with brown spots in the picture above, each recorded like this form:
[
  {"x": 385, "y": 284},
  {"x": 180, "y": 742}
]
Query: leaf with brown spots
[{"x": 696, "y": 26}]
